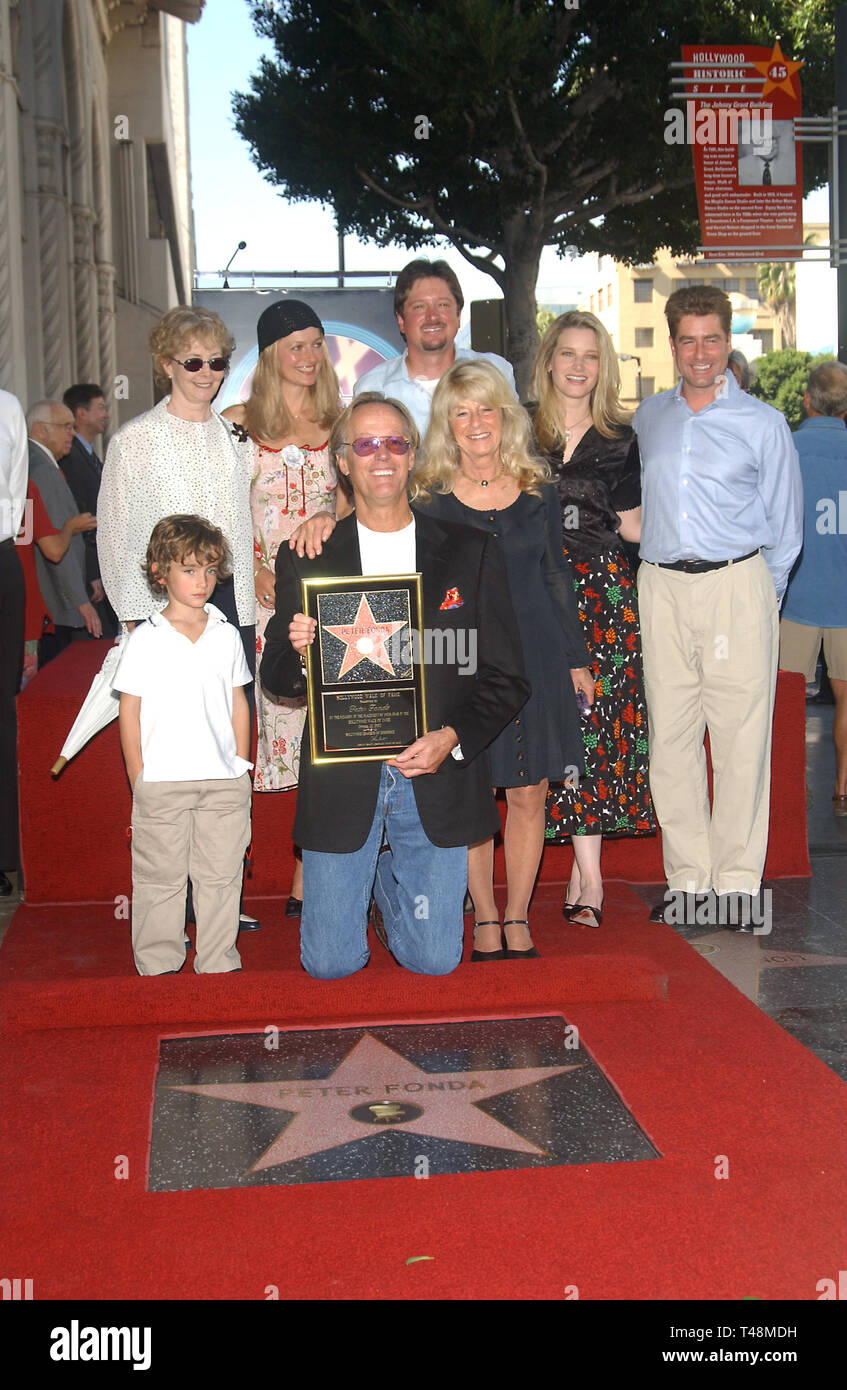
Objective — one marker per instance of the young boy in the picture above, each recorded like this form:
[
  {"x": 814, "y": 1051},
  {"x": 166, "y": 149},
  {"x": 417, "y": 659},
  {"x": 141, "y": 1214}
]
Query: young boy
[{"x": 185, "y": 735}]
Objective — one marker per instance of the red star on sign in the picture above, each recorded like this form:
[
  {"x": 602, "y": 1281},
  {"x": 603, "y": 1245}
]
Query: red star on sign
[
  {"x": 777, "y": 71},
  {"x": 375, "y": 1077},
  {"x": 364, "y": 639}
]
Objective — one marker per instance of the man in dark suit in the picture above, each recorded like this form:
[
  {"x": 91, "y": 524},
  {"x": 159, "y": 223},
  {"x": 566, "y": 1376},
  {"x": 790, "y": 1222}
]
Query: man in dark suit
[
  {"x": 434, "y": 798},
  {"x": 50, "y": 426},
  {"x": 83, "y": 470}
]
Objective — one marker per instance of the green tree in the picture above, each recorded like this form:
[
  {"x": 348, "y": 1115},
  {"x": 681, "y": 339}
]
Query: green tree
[
  {"x": 781, "y": 379},
  {"x": 776, "y": 283},
  {"x": 502, "y": 126},
  {"x": 543, "y": 318}
]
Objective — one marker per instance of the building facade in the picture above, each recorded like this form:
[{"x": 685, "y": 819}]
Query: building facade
[
  {"x": 96, "y": 236},
  {"x": 630, "y": 301}
]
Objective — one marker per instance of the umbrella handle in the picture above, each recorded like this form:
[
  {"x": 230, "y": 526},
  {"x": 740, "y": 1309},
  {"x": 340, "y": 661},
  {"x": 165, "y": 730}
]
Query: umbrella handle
[{"x": 57, "y": 766}]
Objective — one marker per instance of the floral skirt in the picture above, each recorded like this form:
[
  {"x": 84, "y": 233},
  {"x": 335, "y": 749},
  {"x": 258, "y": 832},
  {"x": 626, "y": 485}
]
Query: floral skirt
[
  {"x": 280, "y": 729},
  {"x": 612, "y": 796}
]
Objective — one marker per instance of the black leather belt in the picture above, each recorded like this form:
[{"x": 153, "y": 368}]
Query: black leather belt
[{"x": 701, "y": 566}]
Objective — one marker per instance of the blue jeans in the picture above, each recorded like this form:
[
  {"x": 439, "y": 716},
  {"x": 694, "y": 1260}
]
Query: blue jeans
[{"x": 419, "y": 889}]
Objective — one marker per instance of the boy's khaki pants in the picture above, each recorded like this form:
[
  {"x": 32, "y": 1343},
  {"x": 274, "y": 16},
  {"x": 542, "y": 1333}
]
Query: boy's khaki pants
[{"x": 182, "y": 830}]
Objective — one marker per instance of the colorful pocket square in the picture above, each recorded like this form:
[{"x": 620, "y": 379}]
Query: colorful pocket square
[{"x": 452, "y": 599}]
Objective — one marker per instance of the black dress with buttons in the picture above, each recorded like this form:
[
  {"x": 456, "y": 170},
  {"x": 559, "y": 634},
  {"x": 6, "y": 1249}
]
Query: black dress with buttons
[{"x": 545, "y": 738}]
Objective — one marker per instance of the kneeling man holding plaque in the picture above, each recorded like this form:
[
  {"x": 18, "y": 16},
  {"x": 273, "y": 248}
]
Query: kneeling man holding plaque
[{"x": 402, "y": 633}]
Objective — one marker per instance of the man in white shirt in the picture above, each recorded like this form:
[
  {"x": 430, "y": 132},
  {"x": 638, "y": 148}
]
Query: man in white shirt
[
  {"x": 428, "y": 303},
  {"x": 13, "y": 479},
  {"x": 434, "y": 798}
]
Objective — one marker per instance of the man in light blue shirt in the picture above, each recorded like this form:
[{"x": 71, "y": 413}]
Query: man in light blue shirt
[
  {"x": 428, "y": 304},
  {"x": 721, "y": 528},
  {"x": 815, "y": 608}
]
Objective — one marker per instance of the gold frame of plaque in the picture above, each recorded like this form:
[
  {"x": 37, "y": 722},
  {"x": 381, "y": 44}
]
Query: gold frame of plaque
[{"x": 375, "y": 690}]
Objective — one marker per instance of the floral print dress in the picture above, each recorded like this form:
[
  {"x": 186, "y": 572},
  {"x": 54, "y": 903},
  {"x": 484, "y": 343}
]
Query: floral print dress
[
  {"x": 612, "y": 798},
  {"x": 288, "y": 486}
]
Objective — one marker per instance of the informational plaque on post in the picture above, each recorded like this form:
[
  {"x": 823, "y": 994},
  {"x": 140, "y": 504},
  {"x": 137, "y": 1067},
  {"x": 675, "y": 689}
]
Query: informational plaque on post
[
  {"x": 741, "y": 105},
  {"x": 366, "y": 683}
]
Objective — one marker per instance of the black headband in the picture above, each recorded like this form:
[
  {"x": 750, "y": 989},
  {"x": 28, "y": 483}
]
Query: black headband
[{"x": 284, "y": 317}]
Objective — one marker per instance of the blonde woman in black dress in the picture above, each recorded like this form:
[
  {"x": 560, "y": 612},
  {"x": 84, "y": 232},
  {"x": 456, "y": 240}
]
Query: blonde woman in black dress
[
  {"x": 479, "y": 470},
  {"x": 592, "y": 452}
]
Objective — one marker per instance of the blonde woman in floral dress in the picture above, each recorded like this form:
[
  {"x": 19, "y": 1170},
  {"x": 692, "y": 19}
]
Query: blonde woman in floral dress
[
  {"x": 589, "y": 444},
  {"x": 292, "y": 407}
]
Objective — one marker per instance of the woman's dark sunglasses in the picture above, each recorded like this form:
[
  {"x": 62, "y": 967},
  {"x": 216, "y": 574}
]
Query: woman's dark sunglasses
[
  {"x": 193, "y": 364},
  {"x": 368, "y": 445}
]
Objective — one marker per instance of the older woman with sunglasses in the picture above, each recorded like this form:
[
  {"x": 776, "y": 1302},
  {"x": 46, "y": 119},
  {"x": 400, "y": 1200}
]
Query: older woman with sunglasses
[
  {"x": 479, "y": 469},
  {"x": 180, "y": 457}
]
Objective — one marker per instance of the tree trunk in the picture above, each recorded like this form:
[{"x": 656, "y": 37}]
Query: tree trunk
[{"x": 521, "y": 276}]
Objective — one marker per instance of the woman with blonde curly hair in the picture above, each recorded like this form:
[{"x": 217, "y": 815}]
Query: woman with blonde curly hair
[
  {"x": 292, "y": 407},
  {"x": 179, "y": 458},
  {"x": 592, "y": 453},
  {"x": 479, "y": 469}
]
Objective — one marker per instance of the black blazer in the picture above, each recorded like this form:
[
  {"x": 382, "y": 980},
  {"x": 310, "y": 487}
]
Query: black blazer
[
  {"x": 83, "y": 472},
  {"x": 336, "y": 802}
]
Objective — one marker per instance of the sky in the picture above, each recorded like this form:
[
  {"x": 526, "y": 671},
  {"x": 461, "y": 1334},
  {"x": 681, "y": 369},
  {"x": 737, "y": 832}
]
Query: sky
[{"x": 233, "y": 202}]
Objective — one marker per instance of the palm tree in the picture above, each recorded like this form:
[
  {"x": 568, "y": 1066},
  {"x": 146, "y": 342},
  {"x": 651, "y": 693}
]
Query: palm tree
[{"x": 776, "y": 282}]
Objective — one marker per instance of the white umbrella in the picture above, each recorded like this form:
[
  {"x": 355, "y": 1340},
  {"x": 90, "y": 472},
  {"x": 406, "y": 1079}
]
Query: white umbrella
[{"x": 99, "y": 707}]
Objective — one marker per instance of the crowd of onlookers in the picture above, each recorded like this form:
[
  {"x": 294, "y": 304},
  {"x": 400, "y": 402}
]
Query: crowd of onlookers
[{"x": 616, "y": 686}]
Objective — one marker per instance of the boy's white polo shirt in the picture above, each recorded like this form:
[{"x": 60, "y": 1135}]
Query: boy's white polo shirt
[{"x": 186, "y": 697}]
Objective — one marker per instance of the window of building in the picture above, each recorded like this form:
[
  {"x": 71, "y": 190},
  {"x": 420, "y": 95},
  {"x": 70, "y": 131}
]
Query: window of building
[
  {"x": 155, "y": 213},
  {"x": 643, "y": 291},
  {"x": 599, "y": 301},
  {"x": 608, "y": 297},
  {"x": 751, "y": 289},
  {"x": 765, "y": 337},
  {"x": 643, "y": 337},
  {"x": 648, "y": 387},
  {"x": 731, "y": 285}
]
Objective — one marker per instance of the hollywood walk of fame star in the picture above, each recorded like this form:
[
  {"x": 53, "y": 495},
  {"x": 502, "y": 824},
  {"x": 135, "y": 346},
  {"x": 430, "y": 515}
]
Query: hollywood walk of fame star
[
  {"x": 783, "y": 70},
  {"x": 376, "y": 1078},
  {"x": 364, "y": 639},
  {"x": 742, "y": 956}
]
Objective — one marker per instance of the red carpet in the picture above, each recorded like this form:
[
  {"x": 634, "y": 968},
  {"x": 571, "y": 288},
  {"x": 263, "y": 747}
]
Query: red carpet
[
  {"x": 83, "y": 818},
  {"x": 704, "y": 1072}
]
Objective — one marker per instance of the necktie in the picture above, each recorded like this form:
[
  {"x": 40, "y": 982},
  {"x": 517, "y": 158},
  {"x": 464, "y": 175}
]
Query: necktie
[{"x": 766, "y": 176}]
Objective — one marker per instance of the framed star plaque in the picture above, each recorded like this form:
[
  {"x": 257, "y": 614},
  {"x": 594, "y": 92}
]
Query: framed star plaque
[{"x": 365, "y": 677}]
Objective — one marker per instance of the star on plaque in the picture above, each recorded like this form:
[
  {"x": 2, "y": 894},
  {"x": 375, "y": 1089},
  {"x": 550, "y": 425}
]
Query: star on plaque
[
  {"x": 341, "y": 1108},
  {"x": 778, "y": 71},
  {"x": 364, "y": 639}
]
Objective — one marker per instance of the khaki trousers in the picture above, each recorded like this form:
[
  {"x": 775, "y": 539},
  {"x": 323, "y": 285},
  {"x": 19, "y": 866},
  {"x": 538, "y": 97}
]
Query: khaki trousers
[
  {"x": 180, "y": 830},
  {"x": 710, "y": 644}
]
